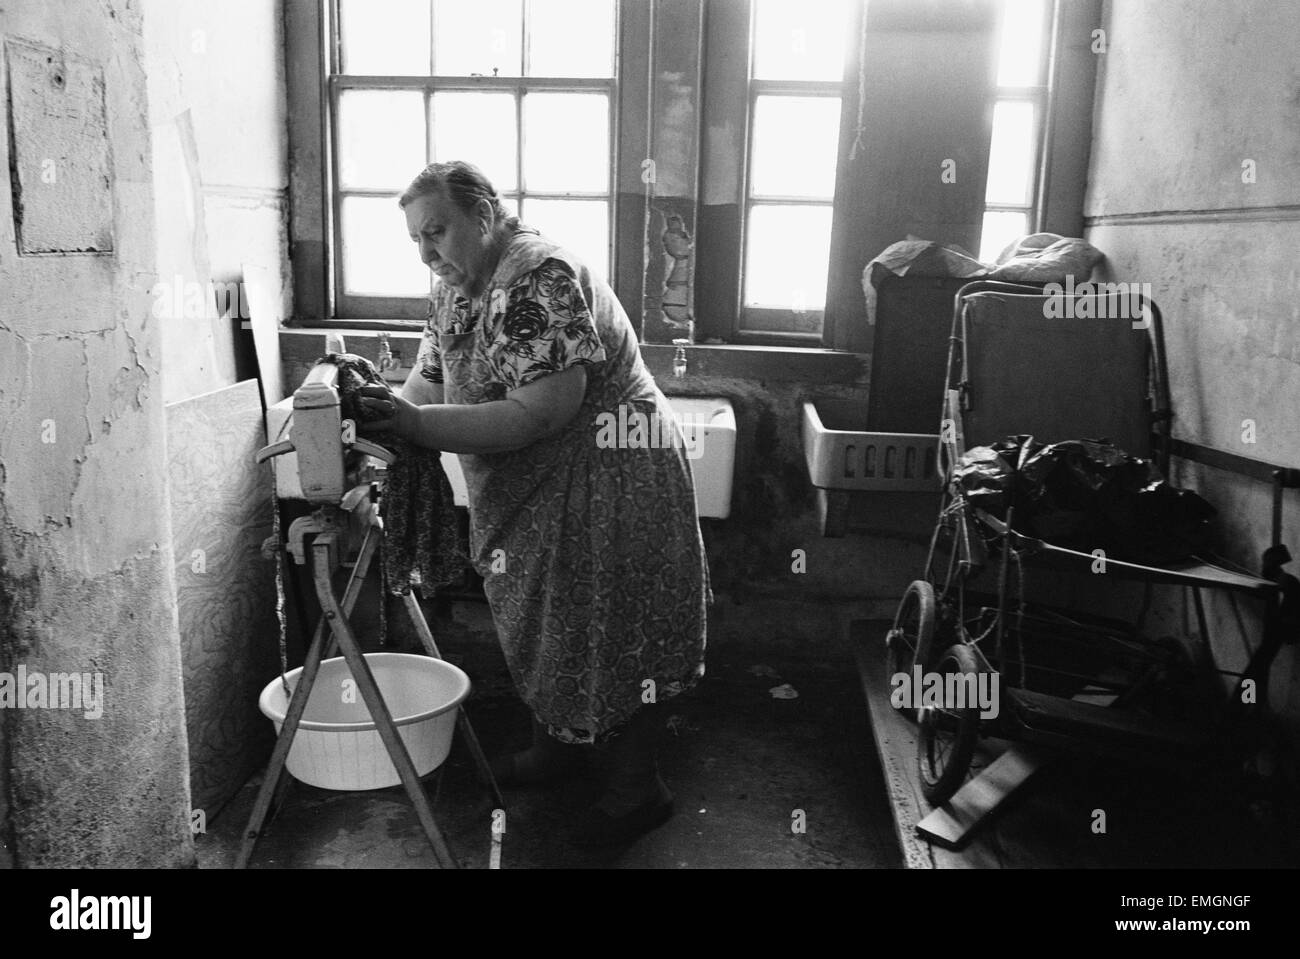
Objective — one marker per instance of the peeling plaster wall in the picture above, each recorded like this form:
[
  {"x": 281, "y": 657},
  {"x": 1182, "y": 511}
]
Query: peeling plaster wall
[
  {"x": 217, "y": 109},
  {"x": 1189, "y": 90},
  {"x": 85, "y": 561}
]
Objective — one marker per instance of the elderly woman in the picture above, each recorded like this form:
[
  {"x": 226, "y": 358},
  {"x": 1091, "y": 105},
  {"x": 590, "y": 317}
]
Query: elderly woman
[{"x": 590, "y": 550}]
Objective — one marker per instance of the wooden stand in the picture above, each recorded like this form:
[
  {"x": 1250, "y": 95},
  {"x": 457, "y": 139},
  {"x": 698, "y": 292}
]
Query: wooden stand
[{"x": 327, "y": 529}]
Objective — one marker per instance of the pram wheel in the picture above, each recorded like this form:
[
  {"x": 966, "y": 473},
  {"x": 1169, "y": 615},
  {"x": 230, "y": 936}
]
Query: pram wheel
[
  {"x": 946, "y": 737},
  {"x": 911, "y": 638}
]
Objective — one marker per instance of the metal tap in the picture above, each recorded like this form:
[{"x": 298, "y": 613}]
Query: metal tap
[{"x": 387, "y": 361}]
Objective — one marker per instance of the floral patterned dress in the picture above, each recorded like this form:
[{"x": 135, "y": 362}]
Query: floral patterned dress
[{"x": 590, "y": 550}]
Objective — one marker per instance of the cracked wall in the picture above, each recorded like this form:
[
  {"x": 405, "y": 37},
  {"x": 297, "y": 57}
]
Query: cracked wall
[{"x": 85, "y": 559}]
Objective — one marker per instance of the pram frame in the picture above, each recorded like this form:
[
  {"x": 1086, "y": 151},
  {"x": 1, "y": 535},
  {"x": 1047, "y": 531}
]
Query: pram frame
[{"x": 943, "y": 599}]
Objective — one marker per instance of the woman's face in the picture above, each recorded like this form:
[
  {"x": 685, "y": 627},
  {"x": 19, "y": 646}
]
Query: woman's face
[{"x": 454, "y": 244}]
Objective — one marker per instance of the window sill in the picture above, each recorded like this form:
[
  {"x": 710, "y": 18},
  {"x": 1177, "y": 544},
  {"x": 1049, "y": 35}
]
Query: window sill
[{"x": 704, "y": 362}]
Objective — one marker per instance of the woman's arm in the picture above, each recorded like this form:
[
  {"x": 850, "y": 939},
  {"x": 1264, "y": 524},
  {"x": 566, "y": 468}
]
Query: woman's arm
[
  {"x": 532, "y": 412},
  {"x": 419, "y": 390}
]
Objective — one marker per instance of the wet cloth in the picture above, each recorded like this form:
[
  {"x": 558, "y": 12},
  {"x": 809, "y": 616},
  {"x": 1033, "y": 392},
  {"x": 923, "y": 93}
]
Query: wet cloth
[
  {"x": 591, "y": 553},
  {"x": 422, "y": 545}
]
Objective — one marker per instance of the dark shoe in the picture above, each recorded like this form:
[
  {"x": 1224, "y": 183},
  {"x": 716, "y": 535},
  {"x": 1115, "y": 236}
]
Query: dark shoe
[
  {"x": 546, "y": 760},
  {"x": 602, "y": 829}
]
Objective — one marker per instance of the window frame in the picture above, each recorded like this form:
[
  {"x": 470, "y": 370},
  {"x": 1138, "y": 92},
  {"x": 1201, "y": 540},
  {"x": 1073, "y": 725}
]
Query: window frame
[
  {"x": 729, "y": 88},
  {"x": 1040, "y": 97},
  {"x": 312, "y": 240},
  {"x": 341, "y": 308}
]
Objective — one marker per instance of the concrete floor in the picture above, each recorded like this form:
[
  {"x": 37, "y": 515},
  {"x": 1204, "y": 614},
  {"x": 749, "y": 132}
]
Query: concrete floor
[{"x": 741, "y": 763}]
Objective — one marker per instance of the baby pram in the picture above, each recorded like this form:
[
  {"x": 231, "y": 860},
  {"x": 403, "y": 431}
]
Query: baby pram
[{"x": 1057, "y": 368}]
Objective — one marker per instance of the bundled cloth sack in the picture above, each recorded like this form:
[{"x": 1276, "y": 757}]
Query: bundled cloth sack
[
  {"x": 1039, "y": 258},
  {"x": 1086, "y": 495},
  {"x": 1046, "y": 258}
]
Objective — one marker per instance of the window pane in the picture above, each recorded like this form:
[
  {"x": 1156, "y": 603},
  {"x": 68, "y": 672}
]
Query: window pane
[
  {"x": 381, "y": 138},
  {"x": 477, "y": 37},
  {"x": 1000, "y": 230},
  {"x": 566, "y": 142},
  {"x": 1011, "y": 154},
  {"x": 800, "y": 39},
  {"x": 795, "y": 143},
  {"x": 571, "y": 38},
  {"x": 580, "y": 225},
  {"x": 787, "y": 257},
  {"x": 1022, "y": 43},
  {"x": 385, "y": 37},
  {"x": 378, "y": 256},
  {"x": 480, "y": 128}
]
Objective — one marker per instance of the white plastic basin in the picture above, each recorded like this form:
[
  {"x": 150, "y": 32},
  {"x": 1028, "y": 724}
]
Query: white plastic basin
[{"x": 337, "y": 745}]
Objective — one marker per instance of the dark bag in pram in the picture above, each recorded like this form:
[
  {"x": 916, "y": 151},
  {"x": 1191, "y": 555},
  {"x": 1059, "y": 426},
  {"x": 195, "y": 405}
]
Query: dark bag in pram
[{"x": 1086, "y": 495}]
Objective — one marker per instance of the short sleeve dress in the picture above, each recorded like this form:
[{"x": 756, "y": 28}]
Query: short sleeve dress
[{"x": 588, "y": 540}]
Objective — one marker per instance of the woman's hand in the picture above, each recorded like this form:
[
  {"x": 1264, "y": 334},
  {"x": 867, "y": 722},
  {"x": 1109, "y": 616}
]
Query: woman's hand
[{"x": 393, "y": 414}]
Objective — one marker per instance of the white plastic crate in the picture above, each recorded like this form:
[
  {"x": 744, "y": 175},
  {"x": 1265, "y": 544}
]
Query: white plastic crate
[{"x": 855, "y": 459}]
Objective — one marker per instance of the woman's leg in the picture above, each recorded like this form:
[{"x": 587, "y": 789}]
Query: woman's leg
[
  {"x": 546, "y": 760},
  {"x": 635, "y": 799}
]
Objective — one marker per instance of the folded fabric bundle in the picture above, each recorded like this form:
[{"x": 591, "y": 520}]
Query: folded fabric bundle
[
  {"x": 1046, "y": 258},
  {"x": 423, "y": 546}
]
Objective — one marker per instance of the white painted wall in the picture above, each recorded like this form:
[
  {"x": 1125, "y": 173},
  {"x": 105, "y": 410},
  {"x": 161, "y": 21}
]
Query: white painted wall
[
  {"x": 217, "y": 109},
  {"x": 1188, "y": 90}
]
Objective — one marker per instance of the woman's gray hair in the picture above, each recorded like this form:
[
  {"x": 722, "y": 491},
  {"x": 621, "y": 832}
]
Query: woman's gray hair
[{"x": 463, "y": 183}]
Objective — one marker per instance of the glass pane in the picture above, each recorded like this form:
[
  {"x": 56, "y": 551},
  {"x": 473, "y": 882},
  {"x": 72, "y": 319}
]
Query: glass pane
[
  {"x": 1012, "y": 153},
  {"x": 1000, "y": 230},
  {"x": 379, "y": 258},
  {"x": 800, "y": 39},
  {"x": 795, "y": 143},
  {"x": 788, "y": 254},
  {"x": 478, "y": 127},
  {"x": 387, "y": 38},
  {"x": 580, "y": 225},
  {"x": 1022, "y": 43},
  {"x": 477, "y": 37},
  {"x": 381, "y": 138},
  {"x": 571, "y": 38},
  {"x": 566, "y": 142}
]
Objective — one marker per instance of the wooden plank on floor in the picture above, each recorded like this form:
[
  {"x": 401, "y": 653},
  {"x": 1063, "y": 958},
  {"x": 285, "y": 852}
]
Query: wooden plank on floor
[
  {"x": 952, "y": 824},
  {"x": 895, "y": 742}
]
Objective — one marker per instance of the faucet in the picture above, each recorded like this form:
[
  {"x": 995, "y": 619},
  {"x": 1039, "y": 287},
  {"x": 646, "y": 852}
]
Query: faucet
[
  {"x": 387, "y": 361},
  {"x": 679, "y": 357}
]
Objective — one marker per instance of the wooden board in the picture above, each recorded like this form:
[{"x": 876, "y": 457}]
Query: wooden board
[
  {"x": 953, "y": 824},
  {"x": 225, "y": 591},
  {"x": 264, "y": 317}
]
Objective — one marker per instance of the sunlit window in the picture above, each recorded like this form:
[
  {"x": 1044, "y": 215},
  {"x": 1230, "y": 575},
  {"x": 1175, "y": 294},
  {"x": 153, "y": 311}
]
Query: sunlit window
[
  {"x": 524, "y": 89},
  {"x": 794, "y": 124},
  {"x": 1017, "y": 126}
]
